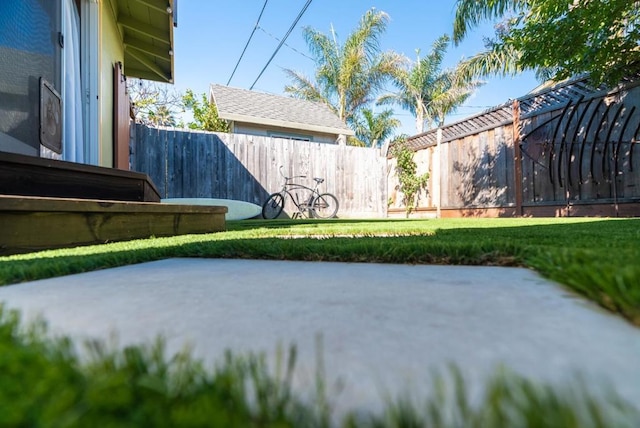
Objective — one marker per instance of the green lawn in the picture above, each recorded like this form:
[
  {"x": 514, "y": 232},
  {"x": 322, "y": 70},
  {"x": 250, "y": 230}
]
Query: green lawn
[
  {"x": 596, "y": 257},
  {"x": 43, "y": 382}
]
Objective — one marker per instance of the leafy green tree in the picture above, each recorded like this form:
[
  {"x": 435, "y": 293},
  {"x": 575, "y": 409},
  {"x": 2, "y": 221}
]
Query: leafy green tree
[
  {"x": 205, "y": 114},
  {"x": 348, "y": 75},
  {"x": 426, "y": 90},
  {"x": 557, "y": 38},
  {"x": 373, "y": 128}
]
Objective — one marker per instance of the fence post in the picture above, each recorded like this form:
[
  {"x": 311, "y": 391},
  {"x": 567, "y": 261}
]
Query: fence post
[
  {"x": 437, "y": 172},
  {"x": 517, "y": 156}
]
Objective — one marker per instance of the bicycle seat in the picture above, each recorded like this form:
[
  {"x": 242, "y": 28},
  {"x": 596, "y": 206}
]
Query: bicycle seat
[{"x": 319, "y": 180}]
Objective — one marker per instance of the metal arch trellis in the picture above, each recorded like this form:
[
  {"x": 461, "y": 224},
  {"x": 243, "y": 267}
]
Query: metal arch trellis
[
  {"x": 584, "y": 143},
  {"x": 560, "y": 142},
  {"x": 563, "y": 142},
  {"x": 575, "y": 137},
  {"x": 622, "y": 131}
]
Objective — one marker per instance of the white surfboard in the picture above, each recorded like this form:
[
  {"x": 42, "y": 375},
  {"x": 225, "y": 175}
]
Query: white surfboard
[{"x": 237, "y": 210}]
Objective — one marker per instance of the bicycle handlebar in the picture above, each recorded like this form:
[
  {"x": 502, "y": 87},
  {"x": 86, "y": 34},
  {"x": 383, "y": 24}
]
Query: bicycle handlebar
[{"x": 289, "y": 178}]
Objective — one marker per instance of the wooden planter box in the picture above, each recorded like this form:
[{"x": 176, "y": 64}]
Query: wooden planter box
[{"x": 36, "y": 223}]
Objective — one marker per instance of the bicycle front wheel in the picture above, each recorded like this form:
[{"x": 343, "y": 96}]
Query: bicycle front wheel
[
  {"x": 325, "y": 206},
  {"x": 273, "y": 206}
]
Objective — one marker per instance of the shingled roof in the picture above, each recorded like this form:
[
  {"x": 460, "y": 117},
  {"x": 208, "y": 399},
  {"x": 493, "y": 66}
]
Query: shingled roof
[{"x": 242, "y": 105}]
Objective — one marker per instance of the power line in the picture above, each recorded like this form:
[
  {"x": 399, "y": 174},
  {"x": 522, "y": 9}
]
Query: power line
[
  {"x": 302, "y": 11},
  {"x": 248, "y": 41},
  {"x": 290, "y": 47}
]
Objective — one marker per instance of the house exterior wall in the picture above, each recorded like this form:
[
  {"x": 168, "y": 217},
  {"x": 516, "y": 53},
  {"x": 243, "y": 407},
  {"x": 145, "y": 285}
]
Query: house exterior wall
[
  {"x": 268, "y": 131},
  {"x": 112, "y": 52}
]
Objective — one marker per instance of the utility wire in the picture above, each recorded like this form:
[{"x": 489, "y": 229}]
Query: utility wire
[
  {"x": 302, "y": 11},
  {"x": 290, "y": 47},
  {"x": 248, "y": 41}
]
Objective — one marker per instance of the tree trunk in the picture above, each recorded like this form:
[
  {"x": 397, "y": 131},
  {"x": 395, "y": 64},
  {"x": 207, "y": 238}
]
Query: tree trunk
[{"x": 419, "y": 123}]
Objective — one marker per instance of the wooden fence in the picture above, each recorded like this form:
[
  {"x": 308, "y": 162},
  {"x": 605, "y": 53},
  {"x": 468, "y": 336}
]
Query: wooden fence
[
  {"x": 188, "y": 164},
  {"x": 569, "y": 150}
]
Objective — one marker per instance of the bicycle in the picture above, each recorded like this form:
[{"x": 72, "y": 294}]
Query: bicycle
[{"x": 315, "y": 205}]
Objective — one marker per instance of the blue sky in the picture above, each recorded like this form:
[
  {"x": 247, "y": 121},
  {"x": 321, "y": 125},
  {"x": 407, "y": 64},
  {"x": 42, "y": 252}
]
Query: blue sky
[{"x": 211, "y": 35}]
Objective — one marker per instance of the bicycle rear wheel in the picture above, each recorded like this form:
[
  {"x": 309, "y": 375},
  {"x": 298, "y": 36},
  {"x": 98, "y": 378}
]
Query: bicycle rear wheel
[
  {"x": 325, "y": 206},
  {"x": 273, "y": 206}
]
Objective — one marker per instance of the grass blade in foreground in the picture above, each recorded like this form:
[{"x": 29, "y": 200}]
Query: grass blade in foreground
[{"x": 43, "y": 383}]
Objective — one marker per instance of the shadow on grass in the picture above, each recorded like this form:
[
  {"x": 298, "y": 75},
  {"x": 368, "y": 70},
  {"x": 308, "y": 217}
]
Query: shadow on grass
[{"x": 595, "y": 257}]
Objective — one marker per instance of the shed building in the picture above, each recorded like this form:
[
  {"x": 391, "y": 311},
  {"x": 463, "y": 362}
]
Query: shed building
[{"x": 259, "y": 113}]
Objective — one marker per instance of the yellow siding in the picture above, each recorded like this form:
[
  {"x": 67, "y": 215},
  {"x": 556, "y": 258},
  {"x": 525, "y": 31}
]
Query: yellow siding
[{"x": 111, "y": 53}]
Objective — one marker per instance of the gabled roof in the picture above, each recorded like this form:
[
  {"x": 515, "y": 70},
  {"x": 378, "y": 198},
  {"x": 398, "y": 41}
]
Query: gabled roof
[
  {"x": 242, "y": 105},
  {"x": 146, "y": 28}
]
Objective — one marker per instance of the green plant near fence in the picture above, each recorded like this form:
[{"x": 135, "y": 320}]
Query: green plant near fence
[{"x": 406, "y": 168}]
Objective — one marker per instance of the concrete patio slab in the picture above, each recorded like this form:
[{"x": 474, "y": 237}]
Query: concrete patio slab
[{"x": 383, "y": 327}]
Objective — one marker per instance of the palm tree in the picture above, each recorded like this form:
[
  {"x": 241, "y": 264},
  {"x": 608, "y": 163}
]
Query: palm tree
[
  {"x": 348, "y": 75},
  {"x": 427, "y": 91},
  {"x": 372, "y": 128},
  {"x": 162, "y": 116},
  {"x": 450, "y": 91}
]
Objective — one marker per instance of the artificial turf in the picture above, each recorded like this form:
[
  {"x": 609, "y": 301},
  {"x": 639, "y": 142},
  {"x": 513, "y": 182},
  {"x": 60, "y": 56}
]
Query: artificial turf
[
  {"x": 44, "y": 383},
  {"x": 595, "y": 257}
]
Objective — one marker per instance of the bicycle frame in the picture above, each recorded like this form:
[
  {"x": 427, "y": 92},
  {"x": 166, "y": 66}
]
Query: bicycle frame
[
  {"x": 308, "y": 200},
  {"x": 293, "y": 191}
]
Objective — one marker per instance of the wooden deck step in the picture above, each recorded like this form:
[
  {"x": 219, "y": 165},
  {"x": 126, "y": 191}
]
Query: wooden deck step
[
  {"x": 32, "y": 176},
  {"x": 36, "y": 223}
]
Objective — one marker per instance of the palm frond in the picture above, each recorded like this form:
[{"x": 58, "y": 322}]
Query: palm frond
[
  {"x": 470, "y": 13},
  {"x": 500, "y": 60},
  {"x": 320, "y": 46},
  {"x": 365, "y": 40},
  {"x": 304, "y": 88},
  {"x": 374, "y": 128},
  {"x": 438, "y": 51}
]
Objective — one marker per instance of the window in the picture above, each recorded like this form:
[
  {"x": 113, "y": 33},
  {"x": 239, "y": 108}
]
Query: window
[
  {"x": 30, "y": 48},
  {"x": 287, "y": 136}
]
